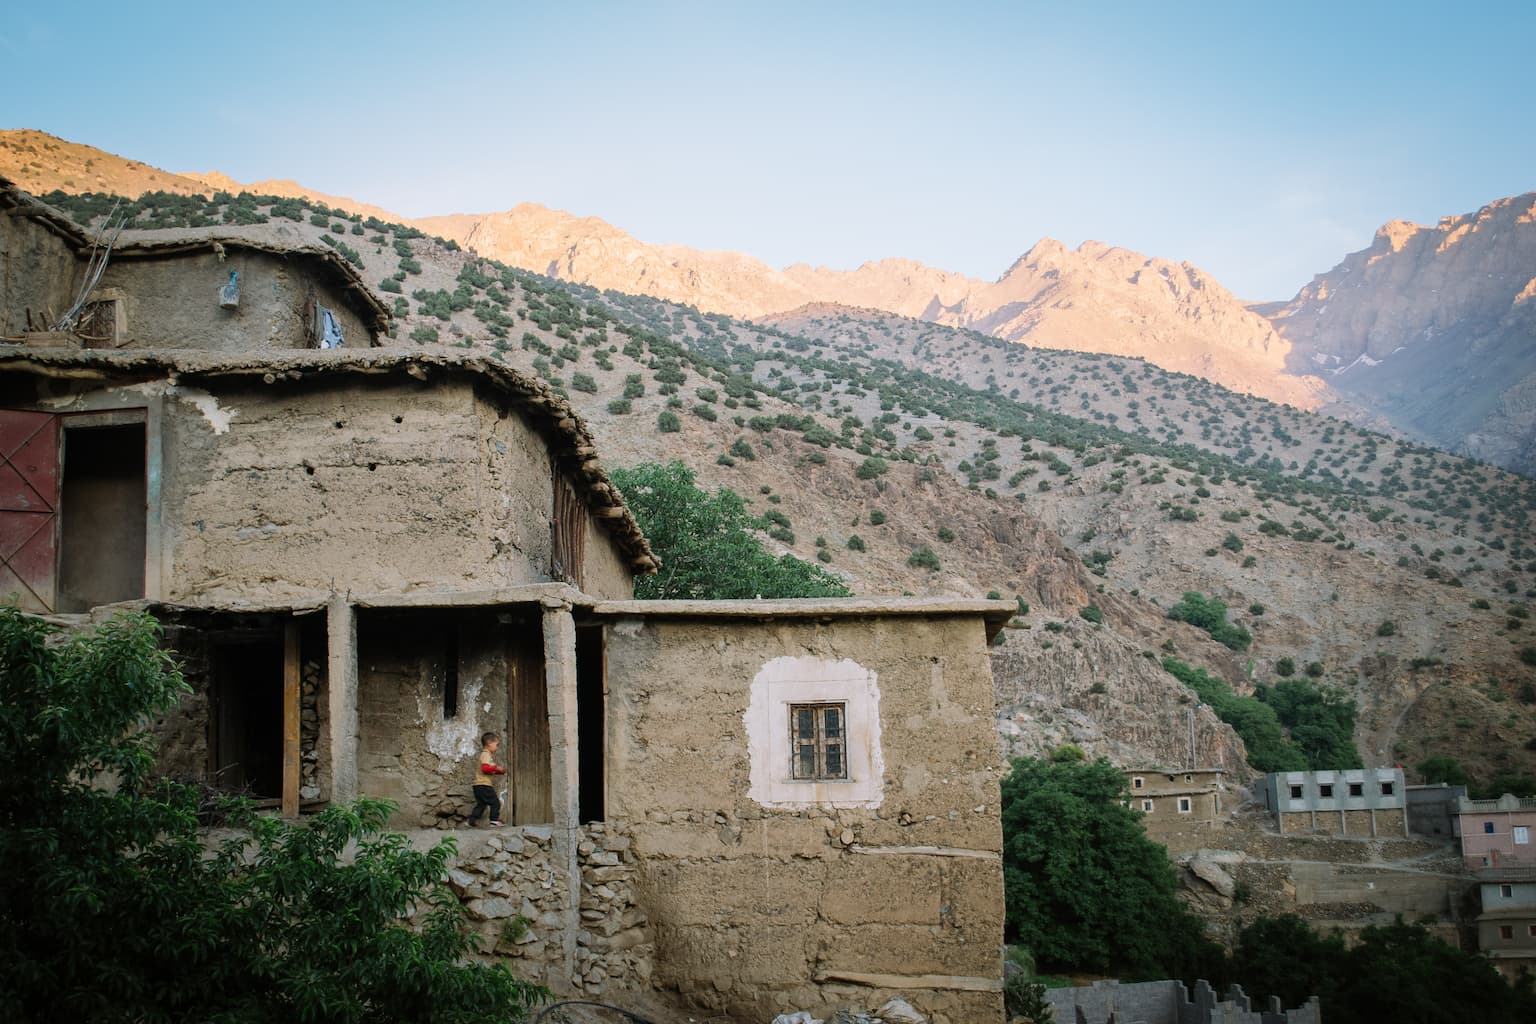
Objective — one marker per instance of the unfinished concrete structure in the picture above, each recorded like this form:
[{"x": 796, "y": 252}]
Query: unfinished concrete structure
[
  {"x": 368, "y": 556},
  {"x": 1351, "y": 802}
]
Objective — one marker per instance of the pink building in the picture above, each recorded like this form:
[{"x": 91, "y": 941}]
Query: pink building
[{"x": 1497, "y": 833}]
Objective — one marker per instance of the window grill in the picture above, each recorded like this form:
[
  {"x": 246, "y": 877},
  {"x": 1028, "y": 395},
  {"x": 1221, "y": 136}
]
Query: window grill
[{"x": 818, "y": 741}]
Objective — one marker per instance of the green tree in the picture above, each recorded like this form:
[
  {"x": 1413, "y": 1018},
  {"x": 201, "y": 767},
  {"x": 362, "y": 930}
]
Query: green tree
[
  {"x": 1085, "y": 889},
  {"x": 1443, "y": 768},
  {"x": 1398, "y": 972},
  {"x": 1321, "y": 722},
  {"x": 706, "y": 544},
  {"x": 112, "y": 908},
  {"x": 1210, "y": 615}
]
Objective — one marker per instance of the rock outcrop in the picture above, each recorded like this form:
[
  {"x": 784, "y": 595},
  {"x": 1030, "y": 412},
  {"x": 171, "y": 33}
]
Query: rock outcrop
[{"x": 1434, "y": 328}]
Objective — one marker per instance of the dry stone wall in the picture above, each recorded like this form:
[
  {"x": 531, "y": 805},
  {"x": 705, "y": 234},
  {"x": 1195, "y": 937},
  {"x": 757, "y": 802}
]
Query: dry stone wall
[{"x": 516, "y": 886}]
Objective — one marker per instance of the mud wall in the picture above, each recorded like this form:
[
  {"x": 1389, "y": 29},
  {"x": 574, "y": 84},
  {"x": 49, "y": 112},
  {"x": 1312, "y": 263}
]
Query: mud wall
[
  {"x": 37, "y": 272},
  {"x": 173, "y": 302},
  {"x": 755, "y": 909},
  {"x": 410, "y": 748}
]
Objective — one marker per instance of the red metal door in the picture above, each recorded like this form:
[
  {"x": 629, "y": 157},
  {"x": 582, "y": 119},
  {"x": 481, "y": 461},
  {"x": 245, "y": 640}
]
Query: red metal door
[{"x": 29, "y": 501}]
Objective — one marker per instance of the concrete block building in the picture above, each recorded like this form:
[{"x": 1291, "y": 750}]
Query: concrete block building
[
  {"x": 1506, "y": 923},
  {"x": 1497, "y": 833},
  {"x": 1351, "y": 802},
  {"x": 367, "y": 556}
]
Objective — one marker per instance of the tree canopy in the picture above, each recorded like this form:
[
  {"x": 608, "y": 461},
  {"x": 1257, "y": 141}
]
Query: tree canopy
[
  {"x": 1398, "y": 972},
  {"x": 1086, "y": 890},
  {"x": 116, "y": 906},
  {"x": 706, "y": 543}
]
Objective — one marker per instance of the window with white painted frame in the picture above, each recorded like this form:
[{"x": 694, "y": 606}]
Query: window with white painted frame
[{"x": 1522, "y": 835}]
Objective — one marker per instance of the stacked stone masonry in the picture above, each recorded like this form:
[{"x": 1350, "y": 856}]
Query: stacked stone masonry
[{"x": 515, "y": 885}]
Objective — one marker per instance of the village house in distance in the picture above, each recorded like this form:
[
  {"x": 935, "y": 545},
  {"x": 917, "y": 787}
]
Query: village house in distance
[{"x": 367, "y": 555}]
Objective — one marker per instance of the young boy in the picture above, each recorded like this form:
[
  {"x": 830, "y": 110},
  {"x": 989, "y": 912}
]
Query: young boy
[{"x": 485, "y": 782}]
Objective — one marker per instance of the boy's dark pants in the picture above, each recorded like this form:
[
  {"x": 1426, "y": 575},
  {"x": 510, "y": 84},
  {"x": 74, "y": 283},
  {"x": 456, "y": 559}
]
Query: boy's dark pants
[{"x": 485, "y": 797}]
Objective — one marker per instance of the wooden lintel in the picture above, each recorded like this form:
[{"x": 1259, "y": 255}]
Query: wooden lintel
[{"x": 291, "y": 714}]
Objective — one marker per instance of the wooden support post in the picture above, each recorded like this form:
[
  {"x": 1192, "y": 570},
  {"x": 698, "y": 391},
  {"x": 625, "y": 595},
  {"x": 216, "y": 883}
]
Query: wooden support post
[{"x": 291, "y": 719}]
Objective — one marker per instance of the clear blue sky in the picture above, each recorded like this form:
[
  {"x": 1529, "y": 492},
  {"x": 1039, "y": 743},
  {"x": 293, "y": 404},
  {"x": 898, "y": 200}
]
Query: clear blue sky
[{"x": 1260, "y": 141}]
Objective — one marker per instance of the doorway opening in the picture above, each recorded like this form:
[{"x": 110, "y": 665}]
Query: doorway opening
[
  {"x": 591, "y": 723},
  {"x": 102, "y": 507},
  {"x": 245, "y": 743}
]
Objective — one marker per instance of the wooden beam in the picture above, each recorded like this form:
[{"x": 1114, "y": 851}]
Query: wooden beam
[{"x": 291, "y": 719}]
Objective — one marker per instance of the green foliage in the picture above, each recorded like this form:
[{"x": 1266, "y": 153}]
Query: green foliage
[
  {"x": 1321, "y": 722},
  {"x": 742, "y": 449},
  {"x": 1085, "y": 889},
  {"x": 946, "y": 535},
  {"x": 871, "y": 468},
  {"x": 1256, "y": 722},
  {"x": 706, "y": 544},
  {"x": 876, "y": 517},
  {"x": 1025, "y": 997},
  {"x": 1068, "y": 753},
  {"x": 1093, "y": 613},
  {"x": 1232, "y": 542},
  {"x": 111, "y": 908},
  {"x": 1285, "y": 667},
  {"x": 668, "y": 423},
  {"x": 424, "y": 335},
  {"x": 855, "y": 543},
  {"x": 389, "y": 284},
  {"x": 1443, "y": 768},
  {"x": 922, "y": 557},
  {"x": 1397, "y": 972},
  {"x": 620, "y": 407},
  {"x": 1387, "y": 628},
  {"x": 1210, "y": 615}
]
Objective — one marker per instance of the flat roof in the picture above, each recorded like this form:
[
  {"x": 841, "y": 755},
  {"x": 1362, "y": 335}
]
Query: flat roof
[{"x": 994, "y": 613}]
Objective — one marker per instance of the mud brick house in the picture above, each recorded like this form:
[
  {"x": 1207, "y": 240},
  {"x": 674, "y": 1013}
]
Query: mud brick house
[
  {"x": 1176, "y": 801},
  {"x": 367, "y": 556}
]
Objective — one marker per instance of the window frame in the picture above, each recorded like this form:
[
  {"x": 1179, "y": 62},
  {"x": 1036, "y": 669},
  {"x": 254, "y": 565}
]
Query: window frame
[
  {"x": 1325, "y": 791},
  {"x": 1522, "y": 834},
  {"x": 1356, "y": 790},
  {"x": 819, "y": 743},
  {"x": 1298, "y": 792},
  {"x": 1148, "y": 806},
  {"x": 1186, "y": 805}
]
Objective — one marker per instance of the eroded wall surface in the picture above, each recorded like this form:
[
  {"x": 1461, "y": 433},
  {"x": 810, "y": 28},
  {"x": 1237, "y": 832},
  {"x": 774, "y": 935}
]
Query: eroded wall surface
[
  {"x": 173, "y": 302},
  {"x": 411, "y": 749},
  {"x": 761, "y": 909},
  {"x": 37, "y": 272}
]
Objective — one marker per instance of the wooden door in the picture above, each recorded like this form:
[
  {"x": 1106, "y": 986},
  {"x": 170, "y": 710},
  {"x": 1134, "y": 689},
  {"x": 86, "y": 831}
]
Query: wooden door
[
  {"x": 529, "y": 791},
  {"x": 29, "y": 502}
]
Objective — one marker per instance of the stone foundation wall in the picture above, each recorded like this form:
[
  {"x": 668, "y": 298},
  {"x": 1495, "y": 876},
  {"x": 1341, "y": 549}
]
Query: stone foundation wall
[{"x": 516, "y": 885}]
